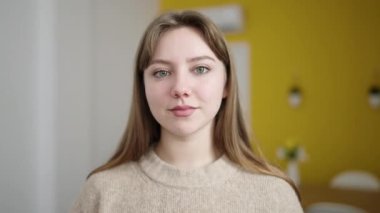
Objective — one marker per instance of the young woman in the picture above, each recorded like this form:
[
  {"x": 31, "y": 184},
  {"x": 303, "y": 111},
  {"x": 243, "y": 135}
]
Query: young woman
[{"x": 186, "y": 148}]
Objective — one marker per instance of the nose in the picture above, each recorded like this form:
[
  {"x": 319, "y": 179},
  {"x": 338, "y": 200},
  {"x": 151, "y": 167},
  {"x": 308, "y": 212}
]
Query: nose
[
  {"x": 181, "y": 88},
  {"x": 181, "y": 92}
]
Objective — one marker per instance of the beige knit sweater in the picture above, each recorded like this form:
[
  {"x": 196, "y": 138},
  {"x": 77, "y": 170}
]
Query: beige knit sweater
[{"x": 151, "y": 185}]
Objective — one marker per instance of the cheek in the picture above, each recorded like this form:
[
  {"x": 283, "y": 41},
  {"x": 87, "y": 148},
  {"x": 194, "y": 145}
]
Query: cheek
[
  {"x": 154, "y": 94},
  {"x": 149, "y": 93},
  {"x": 212, "y": 90}
]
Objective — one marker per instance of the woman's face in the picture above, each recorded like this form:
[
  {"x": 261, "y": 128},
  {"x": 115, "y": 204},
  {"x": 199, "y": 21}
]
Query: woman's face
[{"x": 184, "y": 82}]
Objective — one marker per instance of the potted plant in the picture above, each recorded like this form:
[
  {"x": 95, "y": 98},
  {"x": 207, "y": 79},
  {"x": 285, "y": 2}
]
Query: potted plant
[{"x": 292, "y": 153}]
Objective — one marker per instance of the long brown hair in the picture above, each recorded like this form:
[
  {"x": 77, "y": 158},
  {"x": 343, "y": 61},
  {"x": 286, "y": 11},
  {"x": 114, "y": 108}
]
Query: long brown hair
[{"x": 230, "y": 132}]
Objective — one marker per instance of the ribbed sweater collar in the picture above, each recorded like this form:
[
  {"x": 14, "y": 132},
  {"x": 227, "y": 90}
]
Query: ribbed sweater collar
[{"x": 213, "y": 174}]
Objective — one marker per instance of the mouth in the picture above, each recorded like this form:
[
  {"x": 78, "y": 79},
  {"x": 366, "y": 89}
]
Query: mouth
[{"x": 183, "y": 110}]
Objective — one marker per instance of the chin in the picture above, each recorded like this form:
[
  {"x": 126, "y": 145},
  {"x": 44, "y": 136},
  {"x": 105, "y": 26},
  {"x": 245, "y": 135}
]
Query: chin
[
  {"x": 186, "y": 130},
  {"x": 182, "y": 132}
]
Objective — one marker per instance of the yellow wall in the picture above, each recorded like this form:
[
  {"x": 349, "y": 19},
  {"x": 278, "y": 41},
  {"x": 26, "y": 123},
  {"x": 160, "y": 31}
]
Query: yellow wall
[{"x": 331, "y": 48}]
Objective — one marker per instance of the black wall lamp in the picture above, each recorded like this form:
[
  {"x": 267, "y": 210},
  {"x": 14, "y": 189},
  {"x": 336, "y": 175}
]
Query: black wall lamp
[
  {"x": 295, "y": 97},
  {"x": 374, "y": 97}
]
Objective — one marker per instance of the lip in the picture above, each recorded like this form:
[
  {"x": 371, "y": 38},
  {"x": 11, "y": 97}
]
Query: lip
[{"x": 183, "y": 110}]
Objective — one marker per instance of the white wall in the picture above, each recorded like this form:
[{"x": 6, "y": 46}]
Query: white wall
[
  {"x": 119, "y": 26},
  {"x": 65, "y": 79},
  {"x": 17, "y": 101},
  {"x": 75, "y": 51},
  {"x": 98, "y": 40}
]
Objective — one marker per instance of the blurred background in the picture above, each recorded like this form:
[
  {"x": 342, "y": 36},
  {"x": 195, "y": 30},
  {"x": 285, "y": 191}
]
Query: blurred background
[{"x": 310, "y": 83}]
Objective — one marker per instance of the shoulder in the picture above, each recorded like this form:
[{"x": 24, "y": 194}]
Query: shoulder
[
  {"x": 121, "y": 173},
  {"x": 274, "y": 191},
  {"x": 125, "y": 177},
  {"x": 258, "y": 179},
  {"x": 104, "y": 183}
]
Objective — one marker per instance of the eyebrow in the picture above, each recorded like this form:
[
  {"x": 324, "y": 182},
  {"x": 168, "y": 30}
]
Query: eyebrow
[{"x": 198, "y": 58}]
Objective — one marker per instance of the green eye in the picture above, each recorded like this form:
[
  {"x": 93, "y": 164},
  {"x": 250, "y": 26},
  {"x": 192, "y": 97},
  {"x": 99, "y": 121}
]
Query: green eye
[
  {"x": 161, "y": 74},
  {"x": 201, "y": 70}
]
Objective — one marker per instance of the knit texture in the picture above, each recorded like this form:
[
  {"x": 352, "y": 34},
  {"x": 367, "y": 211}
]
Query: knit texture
[{"x": 152, "y": 185}]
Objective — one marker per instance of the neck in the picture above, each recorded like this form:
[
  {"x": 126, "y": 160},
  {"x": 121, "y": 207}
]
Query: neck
[{"x": 187, "y": 152}]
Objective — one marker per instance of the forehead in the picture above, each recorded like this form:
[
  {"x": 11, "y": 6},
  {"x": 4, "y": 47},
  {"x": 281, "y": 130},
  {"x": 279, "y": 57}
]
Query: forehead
[{"x": 182, "y": 42}]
